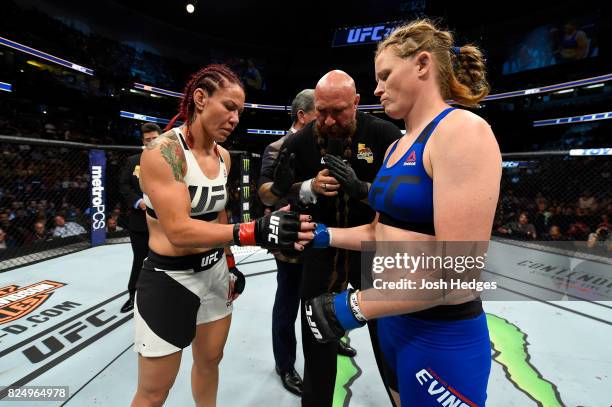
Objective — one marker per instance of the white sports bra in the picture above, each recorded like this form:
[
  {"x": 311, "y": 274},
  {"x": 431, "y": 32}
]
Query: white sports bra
[{"x": 208, "y": 196}]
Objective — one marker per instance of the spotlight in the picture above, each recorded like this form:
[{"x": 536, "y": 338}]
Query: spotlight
[{"x": 190, "y": 8}]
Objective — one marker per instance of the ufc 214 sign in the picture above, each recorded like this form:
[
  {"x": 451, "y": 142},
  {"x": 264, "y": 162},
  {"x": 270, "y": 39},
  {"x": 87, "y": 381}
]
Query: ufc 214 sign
[{"x": 363, "y": 35}]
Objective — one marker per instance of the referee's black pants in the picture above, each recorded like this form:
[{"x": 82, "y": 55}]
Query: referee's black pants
[
  {"x": 320, "y": 359},
  {"x": 140, "y": 248},
  {"x": 284, "y": 313}
]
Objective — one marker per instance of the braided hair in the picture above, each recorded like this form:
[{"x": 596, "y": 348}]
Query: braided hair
[
  {"x": 210, "y": 79},
  {"x": 461, "y": 70}
]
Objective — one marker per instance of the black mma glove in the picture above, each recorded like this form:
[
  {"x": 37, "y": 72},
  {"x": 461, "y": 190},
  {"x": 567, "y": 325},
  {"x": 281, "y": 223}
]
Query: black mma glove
[
  {"x": 284, "y": 173},
  {"x": 346, "y": 176},
  {"x": 278, "y": 230},
  {"x": 329, "y": 316},
  {"x": 235, "y": 274}
]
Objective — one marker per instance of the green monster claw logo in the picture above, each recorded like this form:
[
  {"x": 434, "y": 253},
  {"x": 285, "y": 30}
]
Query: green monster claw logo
[
  {"x": 347, "y": 371},
  {"x": 510, "y": 346}
]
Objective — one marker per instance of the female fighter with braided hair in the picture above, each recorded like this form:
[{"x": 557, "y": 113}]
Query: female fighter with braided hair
[
  {"x": 439, "y": 182},
  {"x": 184, "y": 294}
]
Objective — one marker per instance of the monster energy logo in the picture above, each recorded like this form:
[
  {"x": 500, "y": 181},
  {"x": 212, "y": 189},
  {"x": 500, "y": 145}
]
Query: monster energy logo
[
  {"x": 246, "y": 217},
  {"x": 246, "y": 164},
  {"x": 246, "y": 192}
]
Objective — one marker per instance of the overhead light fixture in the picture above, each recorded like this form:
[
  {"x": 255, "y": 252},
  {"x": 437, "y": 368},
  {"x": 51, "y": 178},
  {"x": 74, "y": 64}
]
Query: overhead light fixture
[
  {"x": 597, "y": 85},
  {"x": 190, "y": 8},
  {"x": 560, "y": 92}
]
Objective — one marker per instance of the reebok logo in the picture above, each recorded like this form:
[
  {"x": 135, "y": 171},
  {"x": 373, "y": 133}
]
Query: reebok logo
[
  {"x": 444, "y": 394},
  {"x": 411, "y": 160},
  {"x": 273, "y": 235}
]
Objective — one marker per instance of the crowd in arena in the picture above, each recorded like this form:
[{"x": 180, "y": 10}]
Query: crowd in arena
[
  {"x": 573, "y": 204},
  {"x": 587, "y": 219}
]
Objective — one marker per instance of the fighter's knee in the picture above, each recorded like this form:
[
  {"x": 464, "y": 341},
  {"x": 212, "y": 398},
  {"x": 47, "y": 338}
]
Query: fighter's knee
[
  {"x": 209, "y": 361},
  {"x": 150, "y": 397}
]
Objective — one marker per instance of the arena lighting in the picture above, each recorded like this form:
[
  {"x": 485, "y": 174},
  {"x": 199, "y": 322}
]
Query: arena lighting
[
  {"x": 267, "y": 132},
  {"x": 591, "y": 151},
  {"x": 190, "y": 8},
  {"x": 7, "y": 87},
  {"x": 45, "y": 56},
  {"x": 35, "y": 63},
  {"x": 144, "y": 117},
  {"x": 517, "y": 164},
  {"x": 594, "y": 81},
  {"x": 574, "y": 119},
  {"x": 266, "y": 107},
  {"x": 551, "y": 88},
  {"x": 154, "y": 89},
  {"x": 161, "y": 91},
  {"x": 505, "y": 164},
  {"x": 597, "y": 85},
  {"x": 560, "y": 92}
]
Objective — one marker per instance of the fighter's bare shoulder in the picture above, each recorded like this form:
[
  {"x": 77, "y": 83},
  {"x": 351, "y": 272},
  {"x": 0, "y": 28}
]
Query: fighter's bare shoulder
[
  {"x": 167, "y": 147},
  {"x": 463, "y": 127}
]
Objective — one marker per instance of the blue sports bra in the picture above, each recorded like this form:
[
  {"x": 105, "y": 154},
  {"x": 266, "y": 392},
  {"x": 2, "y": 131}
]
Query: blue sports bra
[{"x": 403, "y": 193}]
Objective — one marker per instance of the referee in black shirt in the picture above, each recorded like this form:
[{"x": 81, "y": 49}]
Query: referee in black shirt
[{"x": 360, "y": 140}]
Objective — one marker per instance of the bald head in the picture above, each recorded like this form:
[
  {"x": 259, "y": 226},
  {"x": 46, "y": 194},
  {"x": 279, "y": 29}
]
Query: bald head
[
  {"x": 338, "y": 83},
  {"x": 336, "y": 101}
]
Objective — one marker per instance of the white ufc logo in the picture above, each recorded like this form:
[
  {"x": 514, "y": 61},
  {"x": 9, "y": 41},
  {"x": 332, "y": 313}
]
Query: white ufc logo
[
  {"x": 273, "y": 235},
  {"x": 313, "y": 325},
  {"x": 209, "y": 259}
]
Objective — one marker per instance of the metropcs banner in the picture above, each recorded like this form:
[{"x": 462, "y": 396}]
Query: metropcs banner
[{"x": 97, "y": 197}]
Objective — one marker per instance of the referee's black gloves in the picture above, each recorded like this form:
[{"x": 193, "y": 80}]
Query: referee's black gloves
[
  {"x": 346, "y": 176},
  {"x": 284, "y": 173}
]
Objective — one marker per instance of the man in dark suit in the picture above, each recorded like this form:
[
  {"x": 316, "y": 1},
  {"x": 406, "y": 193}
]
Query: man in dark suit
[
  {"x": 289, "y": 274},
  {"x": 137, "y": 224}
]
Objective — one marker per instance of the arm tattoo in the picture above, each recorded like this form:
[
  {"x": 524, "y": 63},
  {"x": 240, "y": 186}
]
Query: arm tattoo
[{"x": 172, "y": 152}]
